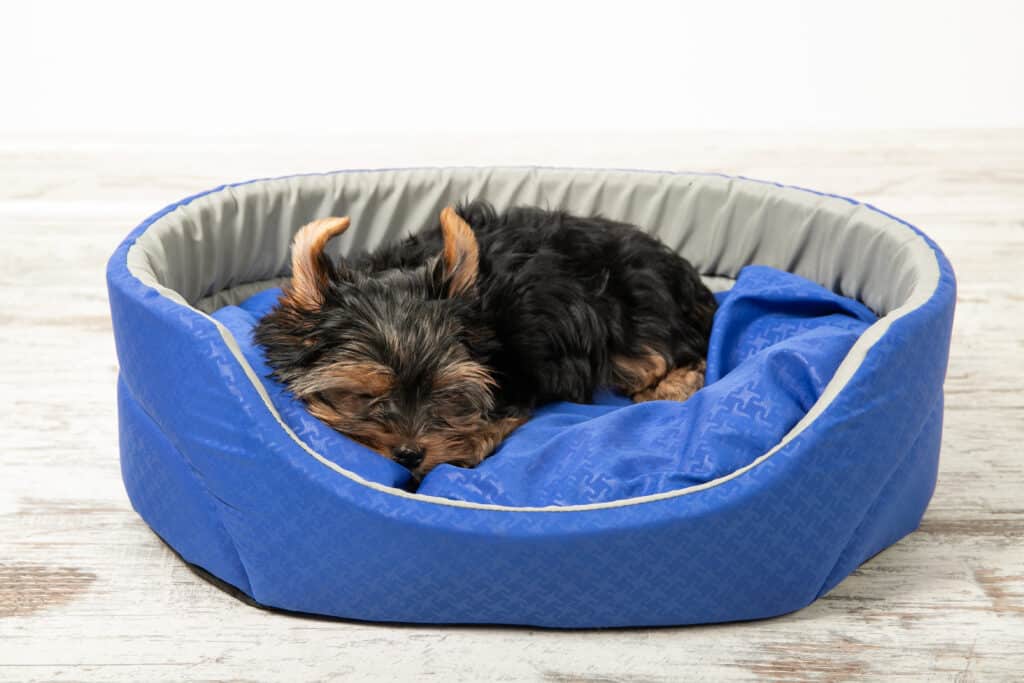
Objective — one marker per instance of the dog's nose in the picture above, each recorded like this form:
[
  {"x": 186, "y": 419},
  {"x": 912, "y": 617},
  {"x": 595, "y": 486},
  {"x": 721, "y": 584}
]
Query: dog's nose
[{"x": 407, "y": 456}]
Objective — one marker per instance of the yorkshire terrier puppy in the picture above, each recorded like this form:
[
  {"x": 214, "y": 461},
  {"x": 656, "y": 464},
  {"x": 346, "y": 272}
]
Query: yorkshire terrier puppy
[{"x": 432, "y": 350}]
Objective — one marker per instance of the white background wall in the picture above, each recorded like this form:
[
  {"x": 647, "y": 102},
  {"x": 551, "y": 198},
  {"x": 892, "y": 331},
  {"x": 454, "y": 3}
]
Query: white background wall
[{"x": 346, "y": 68}]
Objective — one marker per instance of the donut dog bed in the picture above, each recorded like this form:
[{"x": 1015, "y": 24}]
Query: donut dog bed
[{"x": 814, "y": 446}]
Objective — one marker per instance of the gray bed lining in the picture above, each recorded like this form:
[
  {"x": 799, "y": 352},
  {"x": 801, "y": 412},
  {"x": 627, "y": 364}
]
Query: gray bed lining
[{"x": 241, "y": 234}]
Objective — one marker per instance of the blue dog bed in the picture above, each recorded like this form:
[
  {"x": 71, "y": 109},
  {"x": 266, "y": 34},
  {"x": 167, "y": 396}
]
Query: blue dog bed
[{"x": 814, "y": 446}]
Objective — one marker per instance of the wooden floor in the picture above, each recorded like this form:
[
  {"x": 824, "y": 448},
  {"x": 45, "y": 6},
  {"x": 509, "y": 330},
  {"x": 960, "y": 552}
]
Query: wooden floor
[{"x": 87, "y": 592}]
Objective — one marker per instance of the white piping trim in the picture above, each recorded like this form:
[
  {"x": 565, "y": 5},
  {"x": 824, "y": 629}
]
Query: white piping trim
[{"x": 923, "y": 290}]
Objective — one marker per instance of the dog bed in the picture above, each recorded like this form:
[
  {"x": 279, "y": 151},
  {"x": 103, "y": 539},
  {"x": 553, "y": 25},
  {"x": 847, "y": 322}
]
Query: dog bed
[{"x": 814, "y": 446}]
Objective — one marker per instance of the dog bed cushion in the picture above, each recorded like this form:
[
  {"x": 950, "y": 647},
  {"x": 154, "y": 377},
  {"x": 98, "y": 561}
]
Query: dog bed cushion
[
  {"x": 245, "y": 485},
  {"x": 776, "y": 342}
]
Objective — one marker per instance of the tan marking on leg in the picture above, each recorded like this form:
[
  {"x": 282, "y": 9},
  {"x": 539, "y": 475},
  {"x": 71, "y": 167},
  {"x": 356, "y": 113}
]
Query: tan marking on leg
[
  {"x": 632, "y": 374},
  {"x": 678, "y": 385}
]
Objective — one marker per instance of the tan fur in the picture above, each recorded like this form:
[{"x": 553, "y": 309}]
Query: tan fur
[
  {"x": 308, "y": 278},
  {"x": 365, "y": 432},
  {"x": 366, "y": 378},
  {"x": 464, "y": 372},
  {"x": 635, "y": 374},
  {"x": 461, "y": 253},
  {"x": 471, "y": 447},
  {"x": 678, "y": 385}
]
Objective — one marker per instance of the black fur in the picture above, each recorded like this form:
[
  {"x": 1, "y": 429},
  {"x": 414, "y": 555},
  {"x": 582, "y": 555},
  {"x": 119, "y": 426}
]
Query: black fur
[{"x": 559, "y": 295}]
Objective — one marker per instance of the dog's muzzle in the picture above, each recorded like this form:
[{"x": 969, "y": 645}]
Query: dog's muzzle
[{"x": 408, "y": 457}]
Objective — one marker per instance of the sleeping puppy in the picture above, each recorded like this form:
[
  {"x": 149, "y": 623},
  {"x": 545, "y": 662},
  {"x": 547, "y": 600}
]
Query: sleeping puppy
[{"x": 434, "y": 349}]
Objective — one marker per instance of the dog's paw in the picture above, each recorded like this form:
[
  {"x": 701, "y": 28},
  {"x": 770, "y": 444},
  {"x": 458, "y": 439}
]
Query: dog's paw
[{"x": 678, "y": 385}]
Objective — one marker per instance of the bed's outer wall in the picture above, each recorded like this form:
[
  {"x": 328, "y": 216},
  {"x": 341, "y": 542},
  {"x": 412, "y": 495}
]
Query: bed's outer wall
[{"x": 259, "y": 512}]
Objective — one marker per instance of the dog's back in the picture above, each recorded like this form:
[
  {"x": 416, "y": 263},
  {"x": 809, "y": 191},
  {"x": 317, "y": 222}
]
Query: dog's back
[{"x": 575, "y": 302}]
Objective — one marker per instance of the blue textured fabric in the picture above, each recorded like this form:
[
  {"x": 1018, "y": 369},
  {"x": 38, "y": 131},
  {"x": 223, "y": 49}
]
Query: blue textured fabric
[
  {"x": 212, "y": 471},
  {"x": 776, "y": 342}
]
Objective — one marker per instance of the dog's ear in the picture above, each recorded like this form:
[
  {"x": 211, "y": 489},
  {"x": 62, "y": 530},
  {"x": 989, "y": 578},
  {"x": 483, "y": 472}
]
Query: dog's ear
[
  {"x": 461, "y": 255},
  {"x": 312, "y": 270}
]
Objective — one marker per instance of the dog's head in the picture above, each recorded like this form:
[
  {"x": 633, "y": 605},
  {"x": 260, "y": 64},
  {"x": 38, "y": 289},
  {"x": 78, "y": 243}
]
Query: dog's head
[{"x": 389, "y": 358}]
